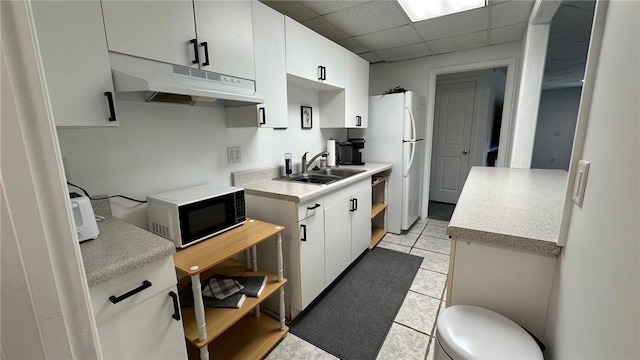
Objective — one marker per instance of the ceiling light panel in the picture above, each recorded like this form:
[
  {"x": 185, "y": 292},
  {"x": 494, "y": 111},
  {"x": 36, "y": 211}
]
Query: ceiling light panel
[{"x": 419, "y": 10}]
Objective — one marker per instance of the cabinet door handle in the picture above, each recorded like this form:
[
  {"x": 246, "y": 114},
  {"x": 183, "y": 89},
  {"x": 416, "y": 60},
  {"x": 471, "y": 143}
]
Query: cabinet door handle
[
  {"x": 352, "y": 206},
  {"x": 176, "y": 306},
  {"x": 358, "y": 120},
  {"x": 262, "y": 115},
  {"x": 324, "y": 73},
  {"x": 206, "y": 53},
  {"x": 355, "y": 204},
  {"x": 320, "y": 73},
  {"x": 112, "y": 110},
  {"x": 303, "y": 229},
  {"x": 313, "y": 207},
  {"x": 116, "y": 299},
  {"x": 194, "y": 42}
]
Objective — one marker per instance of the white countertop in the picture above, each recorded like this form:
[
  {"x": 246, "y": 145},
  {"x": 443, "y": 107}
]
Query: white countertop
[
  {"x": 120, "y": 248},
  {"x": 520, "y": 208},
  {"x": 301, "y": 192}
]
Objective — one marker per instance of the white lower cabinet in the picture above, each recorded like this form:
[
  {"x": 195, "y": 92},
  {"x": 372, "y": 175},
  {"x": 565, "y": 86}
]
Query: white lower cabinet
[
  {"x": 347, "y": 227},
  {"x": 321, "y": 238},
  {"x": 138, "y": 314}
]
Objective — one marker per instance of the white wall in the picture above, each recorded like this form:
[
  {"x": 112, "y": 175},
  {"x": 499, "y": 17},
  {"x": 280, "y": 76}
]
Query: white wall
[
  {"x": 160, "y": 147},
  {"x": 555, "y": 128},
  {"x": 595, "y": 304}
]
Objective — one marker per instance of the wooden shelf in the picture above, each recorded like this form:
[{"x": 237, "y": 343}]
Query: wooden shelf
[
  {"x": 376, "y": 235},
  {"x": 250, "y": 338},
  {"x": 218, "y": 320},
  {"x": 213, "y": 251},
  {"x": 378, "y": 181},
  {"x": 377, "y": 208}
]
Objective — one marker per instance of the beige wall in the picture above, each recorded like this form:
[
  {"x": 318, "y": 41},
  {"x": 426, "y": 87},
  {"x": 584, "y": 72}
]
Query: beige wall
[{"x": 595, "y": 303}]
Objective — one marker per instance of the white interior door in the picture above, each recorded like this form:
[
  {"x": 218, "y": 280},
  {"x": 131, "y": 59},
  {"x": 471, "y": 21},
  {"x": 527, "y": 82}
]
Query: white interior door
[{"x": 451, "y": 140}]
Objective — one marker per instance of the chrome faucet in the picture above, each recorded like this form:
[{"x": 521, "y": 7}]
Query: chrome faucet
[{"x": 306, "y": 164}]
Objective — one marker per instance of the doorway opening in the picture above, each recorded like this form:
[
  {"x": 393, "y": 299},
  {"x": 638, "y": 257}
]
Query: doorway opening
[{"x": 467, "y": 124}]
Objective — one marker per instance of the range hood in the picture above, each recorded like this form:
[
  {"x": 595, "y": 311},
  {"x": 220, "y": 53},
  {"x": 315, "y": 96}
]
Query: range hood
[{"x": 137, "y": 79}]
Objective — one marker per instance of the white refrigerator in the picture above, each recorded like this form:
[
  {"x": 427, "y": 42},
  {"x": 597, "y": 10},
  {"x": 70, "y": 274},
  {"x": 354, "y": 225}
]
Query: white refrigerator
[{"x": 395, "y": 135}]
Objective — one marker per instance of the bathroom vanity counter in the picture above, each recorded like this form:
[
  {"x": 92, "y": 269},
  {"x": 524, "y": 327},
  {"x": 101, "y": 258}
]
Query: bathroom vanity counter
[{"x": 504, "y": 250}]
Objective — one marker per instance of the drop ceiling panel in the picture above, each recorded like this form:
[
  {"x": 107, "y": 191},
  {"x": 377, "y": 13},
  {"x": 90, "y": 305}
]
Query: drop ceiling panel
[
  {"x": 385, "y": 39},
  {"x": 327, "y": 7},
  {"x": 507, "y": 34},
  {"x": 371, "y": 57},
  {"x": 325, "y": 29},
  {"x": 353, "y": 45},
  {"x": 292, "y": 9},
  {"x": 454, "y": 25},
  {"x": 510, "y": 13},
  {"x": 368, "y": 17},
  {"x": 405, "y": 52},
  {"x": 458, "y": 43}
]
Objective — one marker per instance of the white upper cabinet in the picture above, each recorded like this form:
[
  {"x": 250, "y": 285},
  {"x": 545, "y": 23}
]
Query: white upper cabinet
[
  {"x": 348, "y": 108},
  {"x": 217, "y": 37},
  {"x": 76, "y": 63},
  {"x": 226, "y": 28},
  {"x": 271, "y": 73},
  {"x": 356, "y": 92},
  {"x": 158, "y": 30},
  {"x": 313, "y": 57}
]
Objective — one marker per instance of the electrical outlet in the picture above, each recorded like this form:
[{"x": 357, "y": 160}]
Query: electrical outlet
[{"x": 234, "y": 155}]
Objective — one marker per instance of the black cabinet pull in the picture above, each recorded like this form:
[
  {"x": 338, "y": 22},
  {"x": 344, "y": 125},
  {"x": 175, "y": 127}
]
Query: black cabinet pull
[
  {"x": 176, "y": 306},
  {"x": 194, "y": 42},
  {"x": 355, "y": 204},
  {"x": 352, "y": 205},
  {"x": 358, "y": 120},
  {"x": 262, "y": 115},
  {"x": 320, "y": 72},
  {"x": 206, "y": 53},
  {"x": 313, "y": 207},
  {"x": 303, "y": 228},
  {"x": 112, "y": 110},
  {"x": 324, "y": 73},
  {"x": 116, "y": 299}
]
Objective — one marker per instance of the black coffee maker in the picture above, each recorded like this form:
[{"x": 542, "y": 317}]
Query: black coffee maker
[{"x": 350, "y": 152}]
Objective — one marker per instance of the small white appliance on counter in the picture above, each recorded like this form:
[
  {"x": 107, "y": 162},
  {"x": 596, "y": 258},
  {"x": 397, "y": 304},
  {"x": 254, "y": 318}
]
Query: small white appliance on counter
[
  {"x": 395, "y": 135},
  {"x": 83, "y": 217},
  {"x": 188, "y": 216}
]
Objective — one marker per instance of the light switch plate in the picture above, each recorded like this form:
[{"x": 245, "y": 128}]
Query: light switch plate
[{"x": 581, "y": 182}]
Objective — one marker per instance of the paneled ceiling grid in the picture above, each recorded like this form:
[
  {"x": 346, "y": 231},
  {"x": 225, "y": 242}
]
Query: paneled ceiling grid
[{"x": 380, "y": 31}]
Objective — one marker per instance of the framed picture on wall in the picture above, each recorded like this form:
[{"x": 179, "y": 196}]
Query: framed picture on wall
[{"x": 306, "y": 117}]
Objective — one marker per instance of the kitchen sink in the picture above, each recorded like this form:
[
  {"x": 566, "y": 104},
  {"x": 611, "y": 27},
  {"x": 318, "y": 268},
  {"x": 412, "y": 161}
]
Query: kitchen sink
[
  {"x": 320, "y": 177},
  {"x": 342, "y": 173}
]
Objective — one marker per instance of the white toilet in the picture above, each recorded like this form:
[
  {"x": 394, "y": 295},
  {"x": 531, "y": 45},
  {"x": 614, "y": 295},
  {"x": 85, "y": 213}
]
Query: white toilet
[{"x": 467, "y": 332}]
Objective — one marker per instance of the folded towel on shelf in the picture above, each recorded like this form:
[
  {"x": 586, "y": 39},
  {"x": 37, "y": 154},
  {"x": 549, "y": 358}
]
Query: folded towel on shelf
[
  {"x": 233, "y": 301},
  {"x": 253, "y": 285},
  {"x": 221, "y": 288}
]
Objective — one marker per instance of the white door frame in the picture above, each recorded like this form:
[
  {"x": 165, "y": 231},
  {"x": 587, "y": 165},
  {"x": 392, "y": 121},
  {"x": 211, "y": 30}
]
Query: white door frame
[
  {"x": 32, "y": 178},
  {"x": 504, "y": 152}
]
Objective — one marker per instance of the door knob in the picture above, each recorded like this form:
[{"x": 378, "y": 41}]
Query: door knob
[{"x": 465, "y": 152}]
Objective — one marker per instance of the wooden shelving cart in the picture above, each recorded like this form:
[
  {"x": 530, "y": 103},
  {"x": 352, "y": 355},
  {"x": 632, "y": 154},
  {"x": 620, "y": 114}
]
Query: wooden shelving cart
[
  {"x": 378, "y": 207},
  {"x": 232, "y": 333}
]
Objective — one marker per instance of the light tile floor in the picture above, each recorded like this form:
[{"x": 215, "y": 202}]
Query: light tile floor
[{"x": 412, "y": 332}]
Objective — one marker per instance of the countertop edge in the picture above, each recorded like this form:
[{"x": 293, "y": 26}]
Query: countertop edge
[{"x": 511, "y": 241}]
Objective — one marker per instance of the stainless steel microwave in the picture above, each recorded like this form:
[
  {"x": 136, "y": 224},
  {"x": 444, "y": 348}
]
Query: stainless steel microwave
[{"x": 188, "y": 216}]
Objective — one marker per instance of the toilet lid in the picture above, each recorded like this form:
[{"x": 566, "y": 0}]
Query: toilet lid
[{"x": 471, "y": 332}]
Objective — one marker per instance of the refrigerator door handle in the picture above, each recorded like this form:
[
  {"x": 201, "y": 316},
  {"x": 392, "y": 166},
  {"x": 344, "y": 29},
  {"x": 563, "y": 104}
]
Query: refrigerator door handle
[
  {"x": 413, "y": 123},
  {"x": 413, "y": 152},
  {"x": 412, "y": 141}
]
